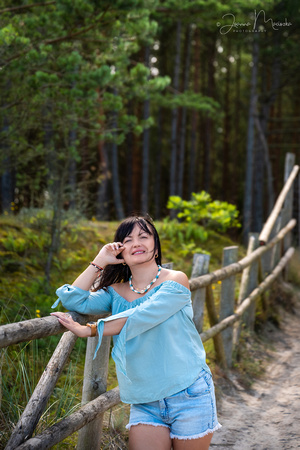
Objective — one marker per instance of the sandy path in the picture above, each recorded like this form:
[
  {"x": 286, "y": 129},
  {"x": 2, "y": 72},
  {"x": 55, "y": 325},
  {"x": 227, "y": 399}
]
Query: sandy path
[{"x": 267, "y": 417}]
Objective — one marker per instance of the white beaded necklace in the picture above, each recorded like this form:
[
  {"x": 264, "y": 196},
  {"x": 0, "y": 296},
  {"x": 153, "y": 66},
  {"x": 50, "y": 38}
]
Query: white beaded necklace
[{"x": 143, "y": 291}]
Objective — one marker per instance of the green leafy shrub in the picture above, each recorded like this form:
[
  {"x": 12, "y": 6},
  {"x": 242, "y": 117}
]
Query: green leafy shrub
[{"x": 201, "y": 210}]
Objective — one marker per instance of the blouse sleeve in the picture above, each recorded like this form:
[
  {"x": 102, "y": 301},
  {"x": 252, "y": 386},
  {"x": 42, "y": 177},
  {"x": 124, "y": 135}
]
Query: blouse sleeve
[
  {"x": 159, "y": 307},
  {"x": 85, "y": 302}
]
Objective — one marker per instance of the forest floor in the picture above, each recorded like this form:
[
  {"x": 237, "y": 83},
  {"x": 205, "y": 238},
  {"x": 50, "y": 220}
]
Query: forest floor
[{"x": 266, "y": 416}]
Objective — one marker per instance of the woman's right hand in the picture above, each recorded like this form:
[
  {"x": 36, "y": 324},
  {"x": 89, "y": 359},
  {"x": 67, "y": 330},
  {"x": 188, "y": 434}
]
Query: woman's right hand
[{"x": 108, "y": 254}]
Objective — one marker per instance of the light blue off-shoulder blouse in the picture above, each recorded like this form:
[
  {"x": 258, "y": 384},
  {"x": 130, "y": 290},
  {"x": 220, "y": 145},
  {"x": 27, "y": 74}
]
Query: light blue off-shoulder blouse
[{"x": 158, "y": 351}]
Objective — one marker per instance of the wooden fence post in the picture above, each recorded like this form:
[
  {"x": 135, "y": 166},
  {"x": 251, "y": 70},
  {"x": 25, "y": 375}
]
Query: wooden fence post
[
  {"x": 249, "y": 316},
  {"x": 200, "y": 267},
  {"x": 275, "y": 252},
  {"x": 38, "y": 401},
  {"x": 168, "y": 265},
  {"x": 271, "y": 257},
  {"x": 214, "y": 320},
  {"x": 246, "y": 287},
  {"x": 94, "y": 384},
  {"x": 287, "y": 210},
  {"x": 298, "y": 208},
  {"x": 230, "y": 255}
]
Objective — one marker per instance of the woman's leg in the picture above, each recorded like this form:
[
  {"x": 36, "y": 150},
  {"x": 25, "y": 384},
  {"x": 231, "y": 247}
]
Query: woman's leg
[
  {"x": 193, "y": 444},
  {"x": 148, "y": 437}
]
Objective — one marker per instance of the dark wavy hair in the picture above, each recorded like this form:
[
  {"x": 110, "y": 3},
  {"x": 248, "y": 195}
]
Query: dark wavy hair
[{"x": 120, "y": 273}]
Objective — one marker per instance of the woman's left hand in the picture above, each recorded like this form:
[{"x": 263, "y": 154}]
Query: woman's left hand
[{"x": 66, "y": 320}]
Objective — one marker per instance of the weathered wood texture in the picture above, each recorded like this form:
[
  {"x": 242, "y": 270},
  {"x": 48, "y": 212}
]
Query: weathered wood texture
[
  {"x": 298, "y": 207},
  {"x": 264, "y": 235},
  {"x": 94, "y": 384},
  {"x": 72, "y": 423},
  {"x": 232, "y": 269},
  {"x": 249, "y": 316},
  {"x": 242, "y": 308},
  {"x": 243, "y": 291},
  {"x": 245, "y": 287},
  {"x": 168, "y": 265},
  {"x": 38, "y": 401},
  {"x": 14, "y": 333},
  {"x": 287, "y": 210},
  {"x": 213, "y": 320},
  {"x": 275, "y": 252},
  {"x": 227, "y": 301},
  {"x": 200, "y": 267}
]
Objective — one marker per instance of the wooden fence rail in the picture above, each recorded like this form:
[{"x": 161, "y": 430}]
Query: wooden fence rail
[
  {"x": 235, "y": 268},
  {"x": 266, "y": 231},
  {"x": 228, "y": 321},
  {"x": 61, "y": 430},
  {"x": 221, "y": 330}
]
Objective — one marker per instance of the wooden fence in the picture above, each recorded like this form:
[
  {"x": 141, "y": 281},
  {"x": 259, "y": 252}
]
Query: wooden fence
[{"x": 267, "y": 257}]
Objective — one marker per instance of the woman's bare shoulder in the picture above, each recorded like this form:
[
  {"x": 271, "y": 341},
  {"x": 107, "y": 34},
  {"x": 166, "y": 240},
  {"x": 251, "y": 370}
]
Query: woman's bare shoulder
[{"x": 178, "y": 276}]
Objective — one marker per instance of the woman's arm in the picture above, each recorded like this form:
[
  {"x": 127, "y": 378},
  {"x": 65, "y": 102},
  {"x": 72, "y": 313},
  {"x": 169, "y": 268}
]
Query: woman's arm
[
  {"x": 114, "y": 327},
  {"x": 107, "y": 255},
  {"x": 110, "y": 328},
  {"x": 77, "y": 297}
]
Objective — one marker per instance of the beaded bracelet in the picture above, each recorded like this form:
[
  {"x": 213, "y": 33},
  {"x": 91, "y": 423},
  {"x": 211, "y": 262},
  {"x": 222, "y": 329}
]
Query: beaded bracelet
[{"x": 100, "y": 269}]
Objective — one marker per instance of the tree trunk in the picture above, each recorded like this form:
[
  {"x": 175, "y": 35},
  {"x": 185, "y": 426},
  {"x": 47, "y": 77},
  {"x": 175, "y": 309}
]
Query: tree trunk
[
  {"x": 173, "y": 165},
  {"x": 261, "y": 123},
  {"x": 184, "y": 111},
  {"x": 51, "y": 157},
  {"x": 145, "y": 164},
  {"x": 247, "y": 209},
  {"x": 193, "y": 146},
  {"x": 72, "y": 174},
  {"x": 129, "y": 166},
  {"x": 236, "y": 180},
  {"x": 157, "y": 183},
  {"x": 84, "y": 173},
  {"x": 115, "y": 171},
  {"x": 7, "y": 184},
  {"x": 102, "y": 191},
  {"x": 55, "y": 228},
  {"x": 7, "y": 179},
  {"x": 193, "y": 150},
  {"x": 57, "y": 171},
  {"x": 258, "y": 186},
  {"x": 226, "y": 176},
  {"x": 208, "y": 142}
]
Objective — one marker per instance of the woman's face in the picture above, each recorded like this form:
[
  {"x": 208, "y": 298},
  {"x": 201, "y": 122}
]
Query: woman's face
[{"x": 138, "y": 246}]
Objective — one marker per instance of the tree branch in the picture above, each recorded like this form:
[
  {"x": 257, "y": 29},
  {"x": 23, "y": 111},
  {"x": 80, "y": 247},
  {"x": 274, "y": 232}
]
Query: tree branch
[
  {"x": 71, "y": 36},
  {"x": 16, "y": 8},
  {"x": 60, "y": 39}
]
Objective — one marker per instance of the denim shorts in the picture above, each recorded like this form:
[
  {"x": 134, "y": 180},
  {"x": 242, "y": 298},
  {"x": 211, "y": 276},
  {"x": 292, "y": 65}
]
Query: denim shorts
[{"x": 189, "y": 414}]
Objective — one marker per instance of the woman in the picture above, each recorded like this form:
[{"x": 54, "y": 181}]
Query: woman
[{"x": 159, "y": 356}]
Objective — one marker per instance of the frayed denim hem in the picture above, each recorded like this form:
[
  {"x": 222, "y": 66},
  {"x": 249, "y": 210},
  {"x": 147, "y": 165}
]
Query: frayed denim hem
[
  {"x": 196, "y": 436},
  {"x": 153, "y": 424}
]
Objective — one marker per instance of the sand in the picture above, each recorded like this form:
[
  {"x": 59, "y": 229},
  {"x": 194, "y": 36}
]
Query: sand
[{"x": 266, "y": 416}]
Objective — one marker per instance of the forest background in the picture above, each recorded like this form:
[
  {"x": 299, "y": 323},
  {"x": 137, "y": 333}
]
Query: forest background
[{"x": 111, "y": 107}]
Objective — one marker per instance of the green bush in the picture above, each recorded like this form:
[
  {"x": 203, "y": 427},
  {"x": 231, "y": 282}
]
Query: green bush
[{"x": 214, "y": 215}]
